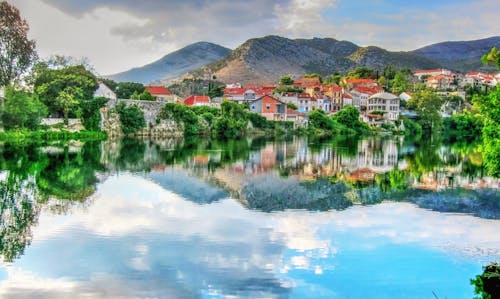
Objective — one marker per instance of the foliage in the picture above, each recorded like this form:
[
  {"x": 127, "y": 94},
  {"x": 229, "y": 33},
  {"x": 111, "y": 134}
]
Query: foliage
[
  {"x": 91, "y": 116},
  {"x": 362, "y": 72},
  {"x": 333, "y": 79},
  {"x": 17, "y": 52},
  {"x": 233, "y": 120},
  {"x": 412, "y": 128},
  {"x": 487, "y": 285},
  {"x": 489, "y": 106},
  {"x": 125, "y": 90},
  {"x": 22, "y": 110},
  {"x": 286, "y": 80},
  {"x": 282, "y": 89},
  {"x": 400, "y": 83},
  {"x": 493, "y": 57},
  {"x": 349, "y": 117},
  {"x": 463, "y": 127},
  {"x": 63, "y": 89},
  {"x": 146, "y": 96},
  {"x": 292, "y": 106},
  {"x": 215, "y": 91},
  {"x": 427, "y": 105},
  {"x": 189, "y": 87},
  {"x": 131, "y": 118}
]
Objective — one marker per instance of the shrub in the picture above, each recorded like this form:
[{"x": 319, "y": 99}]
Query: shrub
[
  {"x": 22, "y": 110},
  {"x": 131, "y": 118}
]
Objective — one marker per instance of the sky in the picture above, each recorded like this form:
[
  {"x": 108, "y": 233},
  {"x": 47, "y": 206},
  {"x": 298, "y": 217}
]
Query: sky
[{"x": 116, "y": 35}]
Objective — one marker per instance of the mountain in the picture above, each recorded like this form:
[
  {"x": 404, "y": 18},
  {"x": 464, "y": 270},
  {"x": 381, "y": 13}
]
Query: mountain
[
  {"x": 460, "y": 55},
  {"x": 174, "y": 64},
  {"x": 266, "y": 59}
]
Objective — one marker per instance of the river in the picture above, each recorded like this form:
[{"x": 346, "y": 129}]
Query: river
[{"x": 377, "y": 217}]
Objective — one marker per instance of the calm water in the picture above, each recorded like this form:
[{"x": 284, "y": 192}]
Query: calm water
[{"x": 296, "y": 218}]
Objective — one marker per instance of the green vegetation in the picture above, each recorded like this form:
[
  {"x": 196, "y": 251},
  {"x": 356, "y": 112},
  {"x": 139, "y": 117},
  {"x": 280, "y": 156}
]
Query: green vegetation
[
  {"x": 487, "y": 285},
  {"x": 125, "y": 90},
  {"x": 131, "y": 118},
  {"x": 362, "y": 73},
  {"x": 463, "y": 127},
  {"x": 412, "y": 129},
  {"x": 17, "y": 52},
  {"x": 286, "y": 80},
  {"x": 346, "y": 121},
  {"x": 493, "y": 57},
  {"x": 143, "y": 96},
  {"x": 189, "y": 87},
  {"x": 427, "y": 105},
  {"x": 22, "y": 110}
]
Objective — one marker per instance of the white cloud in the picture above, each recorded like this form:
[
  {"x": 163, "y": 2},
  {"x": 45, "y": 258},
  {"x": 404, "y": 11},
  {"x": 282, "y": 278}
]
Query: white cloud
[{"x": 304, "y": 17}]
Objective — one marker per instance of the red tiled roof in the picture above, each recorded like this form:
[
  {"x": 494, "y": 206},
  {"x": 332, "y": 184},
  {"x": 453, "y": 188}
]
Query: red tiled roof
[
  {"x": 369, "y": 90},
  {"x": 293, "y": 112},
  {"x": 193, "y": 100},
  {"x": 428, "y": 71},
  {"x": 158, "y": 90},
  {"x": 360, "y": 81}
]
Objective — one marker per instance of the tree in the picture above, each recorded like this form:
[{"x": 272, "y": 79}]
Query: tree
[
  {"x": 22, "y": 110},
  {"x": 17, "y": 52},
  {"x": 215, "y": 91},
  {"x": 493, "y": 57},
  {"x": 68, "y": 99},
  {"x": 382, "y": 81},
  {"x": 131, "y": 118},
  {"x": 146, "y": 96},
  {"x": 125, "y": 90},
  {"x": 389, "y": 72},
  {"x": 362, "y": 72},
  {"x": 292, "y": 106},
  {"x": 286, "y": 80},
  {"x": 428, "y": 107},
  {"x": 74, "y": 80},
  {"x": 91, "y": 116},
  {"x": 349, "y": 117},
  {"x": 400, "y": 83}
]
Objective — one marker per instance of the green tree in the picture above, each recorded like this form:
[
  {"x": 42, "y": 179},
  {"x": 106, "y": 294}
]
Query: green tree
[
  {"x": 389, "y": 72},
  {"x": 427, "y": 104},
  {"x": 146, "y": 96},
  {"x": 382, "y": 81},
  {"x": 59, "y": 88},
  {"x": 333, "y": 79},
  {"x": 215, "y": 91},
  {"x": 91, "y": 116},
  {"x": 131, "y": 118},
  {"x": 400, "y": 83},
  {"x": 125, "y": 90},
  {"x": 17, "y": 52},
  {"x": 292, "y": 106},
  {"x": 489, "y": 106},
  {"x": 493, "y": 57},
  {"x": 349, "y": 117},
  {"x": 68, "y": 99},
  {"x": 362, "y": 72},
  {"x": 22, "y": 110},
  {"x": 286, "y": 80}
]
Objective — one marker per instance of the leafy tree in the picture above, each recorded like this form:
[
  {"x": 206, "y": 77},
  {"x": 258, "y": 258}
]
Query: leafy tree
[
  {"x": 17, "y": 52},
  {"x": 463, "y": 127},
  {"x": 63, "y": 88},
  {"x": 91, "y": 116},
  {"x": 349, "y": 117},
  {"x": 286, "y": 80},
  {"x": 292, "y": 106},
  {"x": 125, "y": 90},
  {"x": 493, "y": 57},
  {"x": 489, "y": 106},
  {"x": 382, "y": 81},
  {"x": 215, "y": 91},
  {"x": 362, "y": 72},
  {"x": 389, "y": 72},
  {"x": 333, "y": 79},
  {"x": 400, "y": 83},
  {"x": 146, "y": 96},
  {"x": 319, "y": 120},
  {"x": 428, "y": 106},
  {"x": 22, "y": 110},
  {"x": 131, "y": 118}
]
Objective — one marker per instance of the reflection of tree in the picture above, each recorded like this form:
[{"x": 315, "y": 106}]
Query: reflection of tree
[
  {"x": 18, "y": 213},
  {"x": 487, "y": 285},
  {"x": 394, "y": 180},
  {"x": 70, "y": 175}
]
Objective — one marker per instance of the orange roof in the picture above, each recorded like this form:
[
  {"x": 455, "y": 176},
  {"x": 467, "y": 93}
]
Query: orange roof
[
  {"x": 193, "y": 100},
  {"x": 369, "y": 90},
  {"x": 428, "y": 71},
  {"x": 360, "y": 81},
  {"x": 158, "y": 90},
  {"x": 293, "y": 112}
]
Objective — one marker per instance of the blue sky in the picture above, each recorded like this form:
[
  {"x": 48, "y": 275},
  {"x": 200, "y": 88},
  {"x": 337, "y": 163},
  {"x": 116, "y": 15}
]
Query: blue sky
[{"x": 118, "y": 34}]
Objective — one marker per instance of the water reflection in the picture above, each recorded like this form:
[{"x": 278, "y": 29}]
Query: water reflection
[{"x": 183, "y": 217}]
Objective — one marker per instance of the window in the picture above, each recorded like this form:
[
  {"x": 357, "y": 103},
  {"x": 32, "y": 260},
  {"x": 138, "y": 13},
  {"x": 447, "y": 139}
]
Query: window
[
  {"x": 253, "y": 107},
  {"x": 268, "y": 106}
]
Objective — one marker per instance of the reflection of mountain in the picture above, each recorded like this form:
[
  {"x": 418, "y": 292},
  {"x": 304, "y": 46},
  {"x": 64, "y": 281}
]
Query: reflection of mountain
[{"x": 189, "y": 187}]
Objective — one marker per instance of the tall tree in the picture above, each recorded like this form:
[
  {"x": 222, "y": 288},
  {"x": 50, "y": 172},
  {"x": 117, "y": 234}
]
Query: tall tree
[
  {"x": 493, "y": 57},
  {"x": 17, "y": 52},
  {"x": 428, "y": 107},
  {"x": 400, "y": 83}
]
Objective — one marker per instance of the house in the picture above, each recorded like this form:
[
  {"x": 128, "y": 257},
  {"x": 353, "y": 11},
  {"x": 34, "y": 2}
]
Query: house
[
  {"x": 335, "y": 95},
  {"x": 440, "y": 81},
  {"x": 248, "y": 93},
  {"x": 104, "y": 91},
  {"x": 324, "y": 103},
  {"x": 476, "y": 78},
  {"x": 421, "y": 74},
  {"x": 269, "y": 107},
  {"x": 405, "y": 96},
  {"x": 347, "y": 99},
  {"x": 162, "y": 94},
  {"x": 353, "y": 83},
  {"x": 195, "y": 100},
  {"x": 360, "y": 95},
  {"x": 297, "y": 117},
  {"x": 384, "y": 102}
]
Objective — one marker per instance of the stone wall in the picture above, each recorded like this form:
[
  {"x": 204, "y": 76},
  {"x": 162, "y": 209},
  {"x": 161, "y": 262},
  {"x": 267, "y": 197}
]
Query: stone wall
[{"x": 110, "y": 121}]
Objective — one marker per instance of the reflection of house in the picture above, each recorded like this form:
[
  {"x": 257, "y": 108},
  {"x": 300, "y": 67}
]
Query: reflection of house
[
  {"x": 194, "y": 100},
  {"x": 162, "y": 94},
  {"x": 269, "y": 107}
]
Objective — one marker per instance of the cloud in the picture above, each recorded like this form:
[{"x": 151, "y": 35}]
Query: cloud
[{"x": 304, "y": 17}]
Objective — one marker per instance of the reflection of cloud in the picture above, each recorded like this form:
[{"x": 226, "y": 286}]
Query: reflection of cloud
[{"x": 138, "y": 238}]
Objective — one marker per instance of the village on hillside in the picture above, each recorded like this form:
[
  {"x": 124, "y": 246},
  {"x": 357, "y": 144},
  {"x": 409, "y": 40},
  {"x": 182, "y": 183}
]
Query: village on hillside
[{"x": 303, "y": 95}]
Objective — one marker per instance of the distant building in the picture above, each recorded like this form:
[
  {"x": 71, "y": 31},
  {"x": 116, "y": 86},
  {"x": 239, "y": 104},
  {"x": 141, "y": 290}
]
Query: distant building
[
  {"x": 431, "y": 73},
  {"x": 195, "y": 100},
  {"x": 384, "y": 102},
  {"x": 269, "y": 107},
  {"x": 405, "y": 96},
  {"x": 162, "y": 94},
  {"x": 104, "y": 91}
]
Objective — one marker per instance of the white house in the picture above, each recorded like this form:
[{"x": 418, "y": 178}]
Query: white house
[
  {"x": 385, "y": 102},
  {"x": 104, "y": 91},
  {"x": 405, "y": 96}
]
